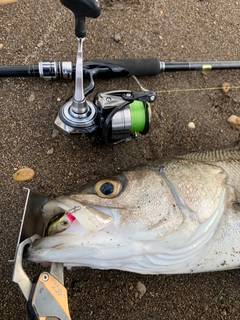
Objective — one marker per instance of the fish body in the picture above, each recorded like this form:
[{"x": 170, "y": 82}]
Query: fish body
[{"x": 178, "y": 216}]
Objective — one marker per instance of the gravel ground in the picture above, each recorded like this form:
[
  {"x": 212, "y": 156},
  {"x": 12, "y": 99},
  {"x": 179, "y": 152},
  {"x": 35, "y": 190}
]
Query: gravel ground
[{"x": 186, "y": 30}]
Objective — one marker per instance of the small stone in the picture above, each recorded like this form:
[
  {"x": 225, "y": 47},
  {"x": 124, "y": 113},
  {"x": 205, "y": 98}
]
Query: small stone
[
  {"x": 162, "y": 115},
  {"x": 3, "y": 2},
  {"x": 55, "y": 133},
  {"x": 50, "y": 151},
  {"x": 141, "y": 289},
  {"x": 130, "y": 286},
  {"x": 191, "y": 125},
  {"x": 58, "y": 99},
  {"x": 23, "y": 174},
  {"x": 225, "y": 87},
  {"x": 234, "y": 120},
  {"x": 224, "y": 312},
  {"x": 1, "y": 46},
  {"x": 40, "y": 44},
  {"x": 32, "y": 97},
  {"x": 117, "y": 37}
]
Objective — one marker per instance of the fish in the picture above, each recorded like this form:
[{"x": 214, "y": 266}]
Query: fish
[{"x": 174, "y": 216}]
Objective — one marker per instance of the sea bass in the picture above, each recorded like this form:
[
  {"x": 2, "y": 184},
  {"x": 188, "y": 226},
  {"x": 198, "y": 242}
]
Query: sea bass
[{"x": 179, "y": 216}]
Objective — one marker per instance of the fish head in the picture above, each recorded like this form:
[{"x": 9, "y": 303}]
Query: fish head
[
  {"x": 134, "y": 200},
  {"x": 90, "y": 207},
  {"x": 137, "y": 200}
]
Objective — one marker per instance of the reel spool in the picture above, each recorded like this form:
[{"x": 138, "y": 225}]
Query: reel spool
[
  {"x": 123, "y": 114},
  {"x": 132, "y": 119}
]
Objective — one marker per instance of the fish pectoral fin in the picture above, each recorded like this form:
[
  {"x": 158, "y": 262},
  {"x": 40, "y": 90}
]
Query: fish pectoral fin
[{"x": 91, "y": 218}]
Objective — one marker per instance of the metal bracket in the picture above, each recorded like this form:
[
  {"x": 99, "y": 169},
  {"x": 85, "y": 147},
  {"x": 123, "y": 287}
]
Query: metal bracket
[
  {"x": 19, "y": 275},
  {"x": 49, "y": 286},
  {"x": 32, "y": 222}
]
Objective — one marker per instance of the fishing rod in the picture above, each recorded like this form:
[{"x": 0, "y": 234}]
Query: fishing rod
[{"x": 111, "y": 68}]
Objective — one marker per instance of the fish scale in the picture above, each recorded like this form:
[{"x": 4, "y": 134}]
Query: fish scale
[{"x": 181, "y": 215}]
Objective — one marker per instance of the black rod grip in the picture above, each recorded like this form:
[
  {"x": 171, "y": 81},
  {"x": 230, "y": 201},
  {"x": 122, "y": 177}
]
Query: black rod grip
[{"x": 136, "y": 67}]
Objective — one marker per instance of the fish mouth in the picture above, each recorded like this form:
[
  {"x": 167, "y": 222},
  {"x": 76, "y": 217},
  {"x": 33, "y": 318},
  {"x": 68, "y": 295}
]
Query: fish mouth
[{"x": 91, "y": 217}]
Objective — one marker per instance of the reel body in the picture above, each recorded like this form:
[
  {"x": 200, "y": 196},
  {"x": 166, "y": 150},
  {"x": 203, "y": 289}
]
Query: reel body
[{"x": 115, "y": 116}]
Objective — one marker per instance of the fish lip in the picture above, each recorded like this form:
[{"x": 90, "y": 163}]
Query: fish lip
[{"x": 110, "y": 211}]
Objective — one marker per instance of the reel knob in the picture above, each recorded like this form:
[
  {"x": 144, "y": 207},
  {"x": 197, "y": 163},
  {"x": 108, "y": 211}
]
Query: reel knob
[{"x": 82, "y": 9}]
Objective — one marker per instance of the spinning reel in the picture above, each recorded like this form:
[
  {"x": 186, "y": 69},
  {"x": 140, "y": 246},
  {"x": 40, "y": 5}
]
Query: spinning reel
[{"x": 116, "y": 116}]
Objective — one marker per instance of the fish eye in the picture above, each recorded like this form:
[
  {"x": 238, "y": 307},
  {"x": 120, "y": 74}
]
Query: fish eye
[{"x": 108, "y": 188}]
